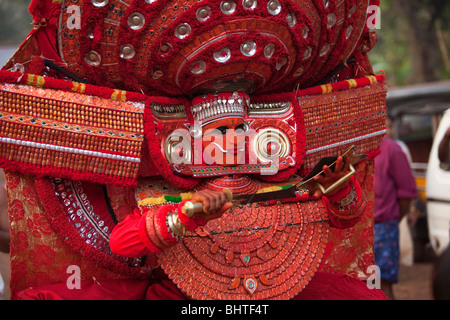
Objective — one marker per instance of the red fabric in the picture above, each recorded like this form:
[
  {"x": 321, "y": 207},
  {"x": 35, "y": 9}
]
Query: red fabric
[
  {"x": 47, "y": 44},
  {"x": 130, "y": 237},
  {"x": 323, "y": 286},
  {"x": 45, "y": 13},
  {"x": 126, "y": 240},
  {"x": 120, "y": 289},
  {"x": 337, "y": 286},
  {"x": 164, "y": 290}
]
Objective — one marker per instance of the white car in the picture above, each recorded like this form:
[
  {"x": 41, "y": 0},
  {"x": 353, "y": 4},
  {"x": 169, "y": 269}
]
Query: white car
[{"x": 438, "y": 193}]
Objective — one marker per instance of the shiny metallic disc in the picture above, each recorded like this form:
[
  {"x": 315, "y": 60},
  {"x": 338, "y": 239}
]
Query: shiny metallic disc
[
  {"x": 307, "y": 53},
  {"x": 165, "y": 47},
  {"x": 203, "y": 14},
  {"x": 99, "y": 3},
  {"x": 195, "y": 131},
  {"x": 127, "y": 51},
  {"x": 182, "y": 30},
  {"x": 177, "y": 149},
  {"x": 270, "y": 144},
  {"x": 198, "y": 67},
  {"x": 324, "y": 50},
  {"x": 299, "y": 71},
  {"x": 305, "y": 32},
  {"x": 348, "y": 32},
  {"x": 291, "y": 19},
  {"x": 249, "y": 4},
  {"x": 352, "y": 10},
  {"x": 281, "y": 63},
  {"x": 136, "y": 21},
  {"x": 228, "y": 7},
  {"x": 331, "y": 20},
  {"x": 157, "y": 74},
  {"x": 248, "y": 48},
  {"x": 223, "y": 55},
  {"x": 93, "y": 58},
  {"x": 274, "y": 7},
  {"x": 269, "y": 50}
]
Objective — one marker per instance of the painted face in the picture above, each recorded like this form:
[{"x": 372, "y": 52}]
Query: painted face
[{"x": 224, "y": 142}]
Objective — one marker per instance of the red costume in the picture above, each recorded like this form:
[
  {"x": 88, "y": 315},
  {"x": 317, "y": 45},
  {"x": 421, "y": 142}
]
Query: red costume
[{"x": 115, "y": 113}]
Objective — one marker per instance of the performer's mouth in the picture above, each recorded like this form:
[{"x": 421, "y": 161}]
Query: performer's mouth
[{"x": 234, "y": 150}]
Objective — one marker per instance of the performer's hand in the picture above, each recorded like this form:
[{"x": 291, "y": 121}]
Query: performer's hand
[
  {"x": 214, "y": 204},
  {"x": 330, "y": 177}
]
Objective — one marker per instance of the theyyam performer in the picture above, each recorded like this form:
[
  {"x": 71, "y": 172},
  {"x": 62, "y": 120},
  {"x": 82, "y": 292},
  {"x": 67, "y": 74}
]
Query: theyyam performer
[{"x": 192, "y": 149}]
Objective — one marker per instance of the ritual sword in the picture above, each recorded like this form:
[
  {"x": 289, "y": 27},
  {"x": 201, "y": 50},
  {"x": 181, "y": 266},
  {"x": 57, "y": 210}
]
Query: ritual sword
[{"x": 307, "y": 184}]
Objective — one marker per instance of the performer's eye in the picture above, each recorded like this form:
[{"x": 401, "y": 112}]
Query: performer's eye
[
  {"x": 222, "y": 130},
  {"x": 242, "y": 127}
]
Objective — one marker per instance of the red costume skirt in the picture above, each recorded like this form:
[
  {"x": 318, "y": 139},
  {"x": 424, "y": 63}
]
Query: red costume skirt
[{"x": 323, "y": 286}]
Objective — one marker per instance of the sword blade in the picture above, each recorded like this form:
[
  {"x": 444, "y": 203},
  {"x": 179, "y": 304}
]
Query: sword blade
[
  {"x": 308, "y": 184},
  {"x": 266, "y": 196}
]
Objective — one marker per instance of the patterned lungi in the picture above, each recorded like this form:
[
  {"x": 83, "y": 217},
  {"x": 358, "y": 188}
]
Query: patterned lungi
[{"x": 387, "y": 250}]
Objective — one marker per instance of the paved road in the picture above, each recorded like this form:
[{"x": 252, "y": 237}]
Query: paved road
[{"x": 414, "y": 282}]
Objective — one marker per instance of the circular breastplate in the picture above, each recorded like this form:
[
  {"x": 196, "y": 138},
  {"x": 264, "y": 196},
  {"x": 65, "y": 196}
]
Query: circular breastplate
[{"x": 254, "y": 252}]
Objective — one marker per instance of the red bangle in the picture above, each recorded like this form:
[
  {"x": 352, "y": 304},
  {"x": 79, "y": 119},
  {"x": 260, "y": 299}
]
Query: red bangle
[
  {"x": 146, "y": 235},
  {"x": 161, "y": 228},
  {"x": 152, "y": 234}
]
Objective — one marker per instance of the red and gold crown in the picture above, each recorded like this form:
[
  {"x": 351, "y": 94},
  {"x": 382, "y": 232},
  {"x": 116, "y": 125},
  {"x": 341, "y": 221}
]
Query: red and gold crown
[{"x": 189, "y": 47}]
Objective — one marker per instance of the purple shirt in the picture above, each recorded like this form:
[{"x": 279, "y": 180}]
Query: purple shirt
[{"x": 393, "y": 180}]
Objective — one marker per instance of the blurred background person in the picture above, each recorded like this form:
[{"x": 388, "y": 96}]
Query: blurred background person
[{"x": 395, "y": 189}]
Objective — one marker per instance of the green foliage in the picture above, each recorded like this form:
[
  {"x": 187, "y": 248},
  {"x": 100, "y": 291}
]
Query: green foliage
[
  {"x": 414, "y": 41},
  {"x": 15, "y": 21},
  {"x": 390, "y": 53}
]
